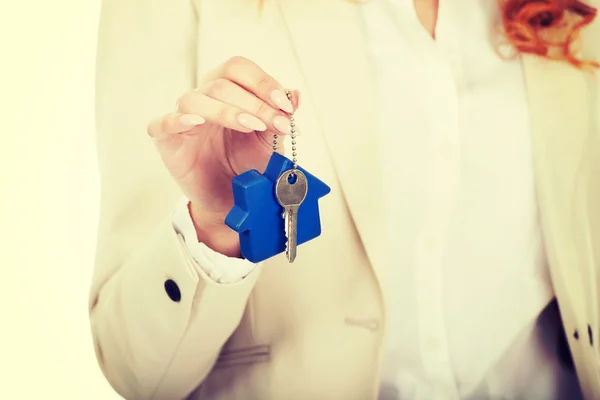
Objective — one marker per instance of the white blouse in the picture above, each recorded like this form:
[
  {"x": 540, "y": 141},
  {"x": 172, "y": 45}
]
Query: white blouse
[{"x": 470, "y": 277}]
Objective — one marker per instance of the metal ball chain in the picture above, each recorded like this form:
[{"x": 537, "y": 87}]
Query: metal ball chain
[
  {"x": 293, "y": 123},
  {"x": 293, "y": 134}
]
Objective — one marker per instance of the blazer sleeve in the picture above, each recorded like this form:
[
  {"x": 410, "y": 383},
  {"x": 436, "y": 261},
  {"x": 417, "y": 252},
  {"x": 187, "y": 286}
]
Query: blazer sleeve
[{"x": 158, "y": 321}]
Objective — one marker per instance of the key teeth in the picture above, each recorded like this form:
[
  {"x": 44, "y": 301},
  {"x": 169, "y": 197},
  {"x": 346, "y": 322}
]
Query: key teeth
[{"x": 287, "y": 239}]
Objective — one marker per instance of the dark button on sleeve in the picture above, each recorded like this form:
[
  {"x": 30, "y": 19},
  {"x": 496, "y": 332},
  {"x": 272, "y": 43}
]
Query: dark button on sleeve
[{"x": 173, "y": 290}]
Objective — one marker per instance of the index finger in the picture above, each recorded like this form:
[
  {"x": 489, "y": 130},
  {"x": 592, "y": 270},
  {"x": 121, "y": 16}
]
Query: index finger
[{"x": 251, "y": 77}]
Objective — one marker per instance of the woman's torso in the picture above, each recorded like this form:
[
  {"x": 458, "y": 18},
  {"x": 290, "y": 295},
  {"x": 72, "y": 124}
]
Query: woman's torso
[{"x": 316, "y": 329}]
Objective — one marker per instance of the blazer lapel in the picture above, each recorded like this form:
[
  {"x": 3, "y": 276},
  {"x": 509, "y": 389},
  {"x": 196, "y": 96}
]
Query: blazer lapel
[
  {"x": 333, "y": 58},
  {"x": 560, "y": 115}
]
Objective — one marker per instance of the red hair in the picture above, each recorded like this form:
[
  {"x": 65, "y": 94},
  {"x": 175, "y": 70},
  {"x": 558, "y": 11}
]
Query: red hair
[{"x": 549, "y": 28}]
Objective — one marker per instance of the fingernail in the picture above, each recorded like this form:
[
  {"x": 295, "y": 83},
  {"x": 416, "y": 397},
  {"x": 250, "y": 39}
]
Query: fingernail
[
  {"x": 283, "y": 125},
  {"x": 280, "y": 98},
  {"x": 251, "y": 122},
  {"x": 191, "y": 119}
]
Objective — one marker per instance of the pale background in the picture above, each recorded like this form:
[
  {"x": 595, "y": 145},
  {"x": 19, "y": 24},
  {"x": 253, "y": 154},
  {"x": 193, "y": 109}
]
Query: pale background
[{"x": 48, "y": 200}]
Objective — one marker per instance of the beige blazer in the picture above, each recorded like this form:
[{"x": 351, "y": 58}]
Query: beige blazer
[{"x": 315, "y": 329}]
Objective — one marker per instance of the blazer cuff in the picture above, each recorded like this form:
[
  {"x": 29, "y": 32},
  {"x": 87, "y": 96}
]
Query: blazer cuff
[{"x": 216, "y": 266}]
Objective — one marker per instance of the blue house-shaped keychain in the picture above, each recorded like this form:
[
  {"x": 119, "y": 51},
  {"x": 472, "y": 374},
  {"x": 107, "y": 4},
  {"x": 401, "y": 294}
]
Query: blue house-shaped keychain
[{"x": 257, "y": 216}]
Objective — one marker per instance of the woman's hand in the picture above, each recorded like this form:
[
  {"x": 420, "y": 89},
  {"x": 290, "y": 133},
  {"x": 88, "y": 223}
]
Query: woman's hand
[{"x": 221, "y": 129}]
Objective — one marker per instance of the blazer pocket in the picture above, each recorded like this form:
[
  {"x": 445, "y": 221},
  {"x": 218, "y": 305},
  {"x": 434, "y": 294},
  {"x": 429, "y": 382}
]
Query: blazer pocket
[{"x": 233, "y": 357}]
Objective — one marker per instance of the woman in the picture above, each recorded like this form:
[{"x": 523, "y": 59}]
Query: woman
[{"x": 463, "y": 199}]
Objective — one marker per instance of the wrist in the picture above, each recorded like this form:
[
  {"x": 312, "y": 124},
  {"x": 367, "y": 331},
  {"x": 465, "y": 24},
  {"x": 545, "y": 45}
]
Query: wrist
[{"x": 212, "y": 231}]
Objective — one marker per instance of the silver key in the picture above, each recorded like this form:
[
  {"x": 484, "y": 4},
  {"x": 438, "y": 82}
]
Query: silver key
[{"x": 290, "y": 196}]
